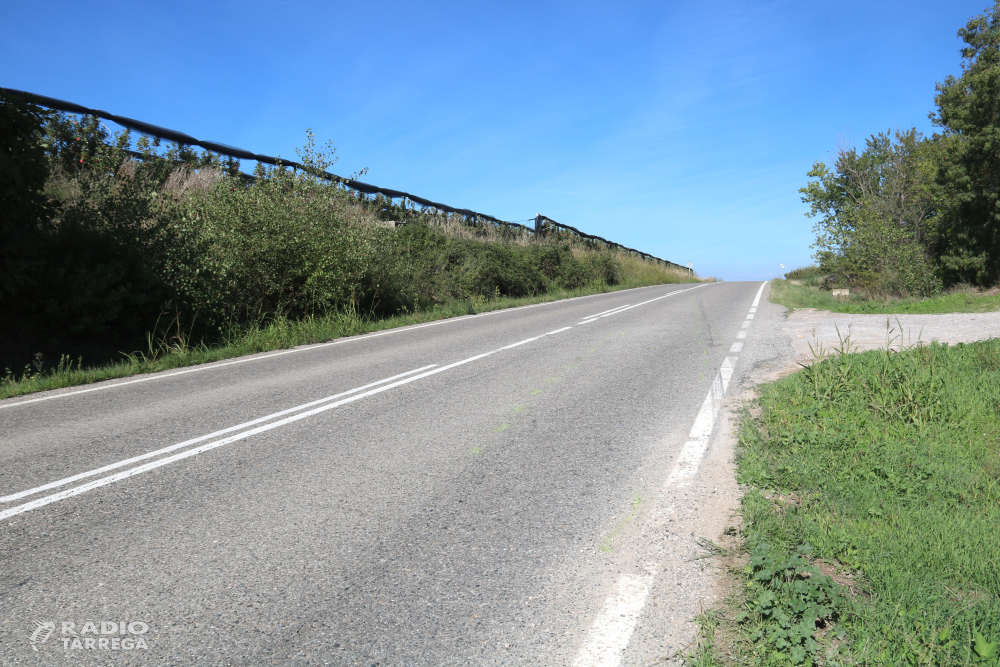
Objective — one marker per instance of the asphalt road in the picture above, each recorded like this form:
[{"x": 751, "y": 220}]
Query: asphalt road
[{"x": 472, "y": 511}]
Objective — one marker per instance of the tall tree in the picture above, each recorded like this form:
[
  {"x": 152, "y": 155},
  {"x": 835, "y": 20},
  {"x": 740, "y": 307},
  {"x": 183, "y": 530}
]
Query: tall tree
[
  {"x": 24, "y": 167},
  {"x": 969, "y": 112},
  {"x": 875, "y": 213}
]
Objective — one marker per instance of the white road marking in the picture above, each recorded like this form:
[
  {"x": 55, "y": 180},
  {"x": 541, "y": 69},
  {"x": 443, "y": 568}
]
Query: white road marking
[
  {"x": 110, "y": 384},
  {"x": 612, "y": 629},
  {"x": 643, "y": 303},
  {"x": 186, "y": 443},
  {"x": 603, "y": 312},
  {"x": 83, "y": 488},
  {"x": 737, "y": 346}
]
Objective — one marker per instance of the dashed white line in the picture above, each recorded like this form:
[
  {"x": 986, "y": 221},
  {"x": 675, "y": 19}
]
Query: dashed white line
[{"x": 613, "y": 628}]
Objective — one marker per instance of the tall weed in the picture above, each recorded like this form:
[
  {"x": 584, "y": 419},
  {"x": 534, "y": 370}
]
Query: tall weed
[{"x": 887, "y": 464}]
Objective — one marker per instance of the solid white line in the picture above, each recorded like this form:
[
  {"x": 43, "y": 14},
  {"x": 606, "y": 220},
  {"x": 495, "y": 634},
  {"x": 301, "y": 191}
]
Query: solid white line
[
  {"x": 604, "y": 312},
  {"x": 110, "y": 384},
  {"x": 643, "y": 303},
  {"x": 612, "y": 629},
  {"x": 622, "y": 309},
  {"x": 41, "y": 502},
  {"x": 83, "y": 488},
  {"x": 186, "y": 443},
  {"x": 756, "y": 300}
]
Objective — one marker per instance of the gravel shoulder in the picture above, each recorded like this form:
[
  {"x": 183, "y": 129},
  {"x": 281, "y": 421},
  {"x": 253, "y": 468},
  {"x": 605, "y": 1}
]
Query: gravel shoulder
[
  {"x": 808, "y": 326},
  {"x": 777, "y": 344}
]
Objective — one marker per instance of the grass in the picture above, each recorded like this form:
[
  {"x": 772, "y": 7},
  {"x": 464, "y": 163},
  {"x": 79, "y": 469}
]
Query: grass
[
  {"x": 281, "y": 333},
  {"x": 959, "y": 300},
  {"x": 871, "y": 518}
]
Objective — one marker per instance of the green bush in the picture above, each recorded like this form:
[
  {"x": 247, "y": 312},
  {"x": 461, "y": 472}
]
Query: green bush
[
  {"x": 177, "y": 245},
  {"x": 24, "y": 212}
]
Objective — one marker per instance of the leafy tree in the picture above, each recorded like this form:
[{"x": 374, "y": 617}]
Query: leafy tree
[
  {"x": 876, "y": 211},
  {"x": 969, "y": 112},
  {"x": 24, "y": 209}
]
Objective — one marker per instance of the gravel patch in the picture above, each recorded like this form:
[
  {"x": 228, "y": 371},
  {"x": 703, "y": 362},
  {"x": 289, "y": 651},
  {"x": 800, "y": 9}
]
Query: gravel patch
[{"x": 808, "y": 326}]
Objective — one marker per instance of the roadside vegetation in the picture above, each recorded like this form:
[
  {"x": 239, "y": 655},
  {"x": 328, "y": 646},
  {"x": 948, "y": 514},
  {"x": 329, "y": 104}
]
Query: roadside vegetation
[
  {"x": 870, "y": 514},
  {"x": 868, "y": 532},
  {"x": 908, "y": 215},
  {"x": 800, "y": 293},
  {"x": 121, "y": 257}
]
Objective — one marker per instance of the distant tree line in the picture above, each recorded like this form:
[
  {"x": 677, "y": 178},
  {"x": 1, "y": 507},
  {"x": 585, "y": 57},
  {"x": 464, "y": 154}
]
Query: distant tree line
[{"x": 910, "y": 214}]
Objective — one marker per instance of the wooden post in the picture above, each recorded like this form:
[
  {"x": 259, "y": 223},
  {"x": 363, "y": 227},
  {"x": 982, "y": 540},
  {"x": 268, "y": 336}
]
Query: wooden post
[{"x": 538, "y": 224}]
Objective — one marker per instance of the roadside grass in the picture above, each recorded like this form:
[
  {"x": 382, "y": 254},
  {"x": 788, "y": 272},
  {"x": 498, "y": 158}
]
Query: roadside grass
[
  {"x": 959, "y": 300},
  {"x": 176, "y": 351},
  {"x": 871, "y": 518}
]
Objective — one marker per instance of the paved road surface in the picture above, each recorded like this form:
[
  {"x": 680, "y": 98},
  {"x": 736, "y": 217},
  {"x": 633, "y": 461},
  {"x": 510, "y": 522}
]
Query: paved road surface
[{"x": 474, "y": 491}]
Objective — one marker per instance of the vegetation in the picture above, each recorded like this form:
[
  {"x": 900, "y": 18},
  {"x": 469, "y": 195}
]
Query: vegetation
[
  {"x": 872, "y": 499},
  {"x": 808, "y": 294},
  {"x": 124, "y": 265},
  {"x": 911, "y": 215}
]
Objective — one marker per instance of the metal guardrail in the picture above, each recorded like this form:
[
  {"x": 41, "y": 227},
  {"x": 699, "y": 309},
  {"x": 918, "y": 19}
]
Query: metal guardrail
[{"x": 541, "y": 222}]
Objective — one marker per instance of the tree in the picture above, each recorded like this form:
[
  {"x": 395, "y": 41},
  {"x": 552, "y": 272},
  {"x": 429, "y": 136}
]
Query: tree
[
  {"x": 24, "y": 210},
  {"x": 876, "y": 212},
  {"x": 969, "y": 112}
]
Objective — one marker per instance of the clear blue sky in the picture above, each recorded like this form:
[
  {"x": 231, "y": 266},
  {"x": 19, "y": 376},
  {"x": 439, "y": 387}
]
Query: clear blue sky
[{"x": 684, "y": 129}]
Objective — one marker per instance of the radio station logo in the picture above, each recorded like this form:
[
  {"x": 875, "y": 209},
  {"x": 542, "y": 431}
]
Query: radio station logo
[{"x": 90, "y": 635}]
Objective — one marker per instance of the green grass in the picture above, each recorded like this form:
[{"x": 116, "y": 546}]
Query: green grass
[
  {"x": 810, "y": 296},
  {"x": 885, "y": 466},
  {"x": 279, "y": 334}
]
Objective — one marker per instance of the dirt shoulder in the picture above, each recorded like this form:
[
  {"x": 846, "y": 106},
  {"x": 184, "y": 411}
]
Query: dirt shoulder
[{"x": 808, "y": 326}]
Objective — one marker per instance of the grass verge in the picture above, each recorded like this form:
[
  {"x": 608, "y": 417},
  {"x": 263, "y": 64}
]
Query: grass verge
[
  {"x": 871, "y": 518},
  {"x": 280, "y": 333},
  {"x": 961, "y": 300}
]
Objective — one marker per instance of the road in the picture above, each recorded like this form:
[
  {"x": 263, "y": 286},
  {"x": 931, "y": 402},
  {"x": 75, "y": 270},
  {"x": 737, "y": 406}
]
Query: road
[{"x": 506, "y": 488}]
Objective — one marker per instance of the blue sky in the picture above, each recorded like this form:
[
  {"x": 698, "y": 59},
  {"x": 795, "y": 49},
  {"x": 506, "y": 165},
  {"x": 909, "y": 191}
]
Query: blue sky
[{"x": 684, "y": 129}]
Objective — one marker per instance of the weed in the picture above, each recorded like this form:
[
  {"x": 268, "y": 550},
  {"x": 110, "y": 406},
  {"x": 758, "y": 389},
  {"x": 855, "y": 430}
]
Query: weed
[
  {"x": 789, "y": 601},
  {"x": 886, "y": 462}
]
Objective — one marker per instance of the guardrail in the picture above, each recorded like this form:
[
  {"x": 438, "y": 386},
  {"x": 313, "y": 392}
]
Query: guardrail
[{"x": 542, "y": 223}]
